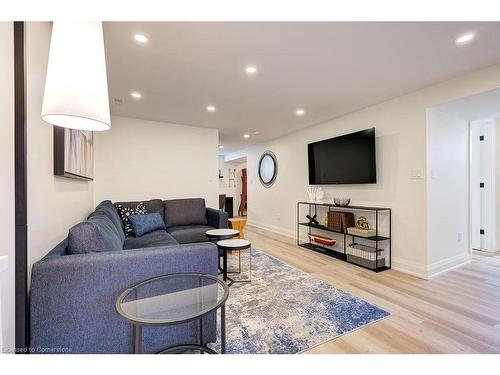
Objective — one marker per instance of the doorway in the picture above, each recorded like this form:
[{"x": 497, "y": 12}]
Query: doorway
[
  {"x": 462, "y": 208},
  {"x": 233, "y": 186},
  {"x": 484, "y": 152}
]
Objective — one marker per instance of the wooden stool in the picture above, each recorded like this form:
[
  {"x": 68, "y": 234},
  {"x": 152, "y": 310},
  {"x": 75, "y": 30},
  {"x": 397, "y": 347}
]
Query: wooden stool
[{"x": 238, "y": 223}]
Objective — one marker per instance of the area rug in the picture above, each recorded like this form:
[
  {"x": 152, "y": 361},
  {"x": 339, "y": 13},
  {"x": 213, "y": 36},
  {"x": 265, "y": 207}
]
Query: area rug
[{"x": 286, "y": 311}]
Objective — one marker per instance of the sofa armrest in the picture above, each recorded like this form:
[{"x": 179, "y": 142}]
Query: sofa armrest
[
  {"x": 217, "y": 218},
  {"x": 73, "y": 298}
]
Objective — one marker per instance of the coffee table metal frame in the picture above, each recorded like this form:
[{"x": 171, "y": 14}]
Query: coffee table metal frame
[
  {"x": 225, "y": 249},
  {"x": 138, "y": 323}
]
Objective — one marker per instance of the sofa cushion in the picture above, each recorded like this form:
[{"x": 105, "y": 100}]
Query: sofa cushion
[
  {"x": 143, "y": 224},
  {"x": 107, "y": 208},
  {"x": 152, "y": 239},
  {"x": 189, "y": 233},
  {"x": 185, "y": 212},
  {"x": 126, "y": 211},
  {"x": 96, "y": 234}
]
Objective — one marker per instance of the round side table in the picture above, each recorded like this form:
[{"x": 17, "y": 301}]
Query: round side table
[
  {"x": 235, "y": 245},
  {"x": 222, "y": 234}
]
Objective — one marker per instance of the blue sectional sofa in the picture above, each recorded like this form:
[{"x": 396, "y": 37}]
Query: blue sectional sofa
[{"x": 73, "y": 296}]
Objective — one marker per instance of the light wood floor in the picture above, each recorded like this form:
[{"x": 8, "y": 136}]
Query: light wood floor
[{"x": 456, "y": 312}]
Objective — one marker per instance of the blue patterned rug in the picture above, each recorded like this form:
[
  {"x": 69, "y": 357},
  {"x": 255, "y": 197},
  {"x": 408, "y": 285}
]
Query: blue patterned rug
[{"x": 286, "y": 311}]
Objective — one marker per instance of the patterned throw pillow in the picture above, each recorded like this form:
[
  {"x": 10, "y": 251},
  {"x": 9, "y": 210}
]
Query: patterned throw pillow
[{"x": 125, "y": 212}]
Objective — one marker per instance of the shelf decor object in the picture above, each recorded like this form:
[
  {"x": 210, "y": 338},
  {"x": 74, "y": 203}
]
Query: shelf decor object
[
  {"x": 342, "y": 202},
  {"x": 322, "y": 240},
  {"x": 76, "y": 86},
  {"x": 371, "y": 248}
]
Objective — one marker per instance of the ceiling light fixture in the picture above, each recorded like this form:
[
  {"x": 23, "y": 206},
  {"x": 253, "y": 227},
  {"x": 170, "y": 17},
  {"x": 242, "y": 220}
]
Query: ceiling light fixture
[
  {"x": 221, "y": 147},
  {"x": 299, "y": 112},
  {"x": 76, "y": 85},
  {"x": 256, "y": 132},
  {"x": 465, "y": 38},
  {"x": 136, "y": 95},
  {"x": 246, "y": 135},
  {"x": 141, "y": 38},
  {"x": 210, "y": 108},
  {"x": 251, "y": 69}
]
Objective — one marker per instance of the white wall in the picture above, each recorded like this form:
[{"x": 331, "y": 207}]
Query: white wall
[
  {"x": 7, "y": 228},
  {"x": 401, "y": 149},
  {"x": 54, "y": 203},
  {"x": 447, "y": 191},
  {"x": 139, "y": 160}
]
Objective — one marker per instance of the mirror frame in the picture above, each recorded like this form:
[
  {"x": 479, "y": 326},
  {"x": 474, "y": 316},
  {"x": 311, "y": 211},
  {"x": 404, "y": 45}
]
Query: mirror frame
[{"x": 275, "y": 161}]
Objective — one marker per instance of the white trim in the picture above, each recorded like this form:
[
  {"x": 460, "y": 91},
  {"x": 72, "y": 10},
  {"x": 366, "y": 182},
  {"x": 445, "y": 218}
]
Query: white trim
[
  {"x": 3, "y": 263},
  {"x": 274, "y": 229},
  {"x": 449, "y": 264},
  {"x": 409, "y": 267}
]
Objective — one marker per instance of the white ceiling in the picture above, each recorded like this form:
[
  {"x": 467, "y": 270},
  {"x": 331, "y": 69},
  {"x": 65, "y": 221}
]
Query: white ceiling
[{"x": 328, "y": 68}]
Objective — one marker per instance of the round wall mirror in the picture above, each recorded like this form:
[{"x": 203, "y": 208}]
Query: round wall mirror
[{"x": 268, "y": 168}]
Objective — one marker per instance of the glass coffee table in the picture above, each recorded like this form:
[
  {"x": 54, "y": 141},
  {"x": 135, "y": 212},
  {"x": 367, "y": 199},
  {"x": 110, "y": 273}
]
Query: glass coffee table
[{"x": 174, "y": 299}]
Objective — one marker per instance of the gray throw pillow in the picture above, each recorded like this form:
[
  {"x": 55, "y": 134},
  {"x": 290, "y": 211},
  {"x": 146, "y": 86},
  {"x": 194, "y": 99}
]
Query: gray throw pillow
[{"x": 96, "y": 234}]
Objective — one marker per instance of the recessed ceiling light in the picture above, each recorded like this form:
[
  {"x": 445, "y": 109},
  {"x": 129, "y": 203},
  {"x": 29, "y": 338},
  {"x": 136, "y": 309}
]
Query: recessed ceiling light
[
  {"x": 141, "y": 38},
  {"x": 256, "y": 132},
  {"x": 246, "y": 135},
  {"x": 251, "y": 69},
  {"x": 210, "y": 108},
  {"x": 465, "y": 38},
  {"x": 136, "y": 94},
  {"x": 221, "y": 147},
  {"x": 299, "y": 112}
]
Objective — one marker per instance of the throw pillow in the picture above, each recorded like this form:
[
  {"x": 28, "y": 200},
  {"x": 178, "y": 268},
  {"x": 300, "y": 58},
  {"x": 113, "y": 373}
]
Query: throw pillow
[
  {"x": 126, "y": 212},
  {"x": 143, "y": 224}
]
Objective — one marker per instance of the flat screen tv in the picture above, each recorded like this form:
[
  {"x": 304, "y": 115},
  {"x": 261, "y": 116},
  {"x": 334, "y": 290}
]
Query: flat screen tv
[{"x": 348, "y": 159}]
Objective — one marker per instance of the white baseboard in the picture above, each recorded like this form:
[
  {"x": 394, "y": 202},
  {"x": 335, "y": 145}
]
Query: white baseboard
[
  {"x": 409, "y": 267},
  {"x": 273, "y": 228},
  {"x": 401, "y": 265},
  {"x": 446, "y": 265}
]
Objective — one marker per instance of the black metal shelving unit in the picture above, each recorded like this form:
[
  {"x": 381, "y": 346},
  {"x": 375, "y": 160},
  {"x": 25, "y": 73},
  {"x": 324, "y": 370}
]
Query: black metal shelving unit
[{"x": 382, "y": 243}]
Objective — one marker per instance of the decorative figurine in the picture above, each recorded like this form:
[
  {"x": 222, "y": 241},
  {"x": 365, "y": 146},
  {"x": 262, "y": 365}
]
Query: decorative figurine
[
  {"x": 313, "y": 220},
  {"x": 362, "y": 223}
]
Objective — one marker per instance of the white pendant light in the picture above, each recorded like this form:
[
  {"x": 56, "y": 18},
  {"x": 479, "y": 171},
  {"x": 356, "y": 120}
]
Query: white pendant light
[{"x": 76, "y": 88}]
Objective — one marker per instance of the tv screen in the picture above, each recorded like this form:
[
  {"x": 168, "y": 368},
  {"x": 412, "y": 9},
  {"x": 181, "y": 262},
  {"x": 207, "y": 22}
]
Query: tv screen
[{"x": 348, "y": 159}]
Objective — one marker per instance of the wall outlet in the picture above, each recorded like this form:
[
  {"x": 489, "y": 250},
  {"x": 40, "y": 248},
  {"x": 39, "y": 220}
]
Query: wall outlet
[{"x": 417, "y": 173}]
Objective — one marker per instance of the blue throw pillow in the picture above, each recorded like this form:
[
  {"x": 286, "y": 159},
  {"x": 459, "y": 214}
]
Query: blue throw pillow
[{"x": 143, "y": 224}]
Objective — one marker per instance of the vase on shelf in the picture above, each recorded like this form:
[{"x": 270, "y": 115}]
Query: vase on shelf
[
  {"x": 320, "y": 194},
  {"x": 311, "y": 192}
]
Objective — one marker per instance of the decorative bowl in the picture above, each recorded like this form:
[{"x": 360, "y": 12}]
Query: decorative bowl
[{"x": 341, "y": 202}]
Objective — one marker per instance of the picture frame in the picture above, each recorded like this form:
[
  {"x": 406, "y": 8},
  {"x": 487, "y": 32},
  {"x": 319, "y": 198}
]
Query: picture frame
[{"x": 74, "y": 153}]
